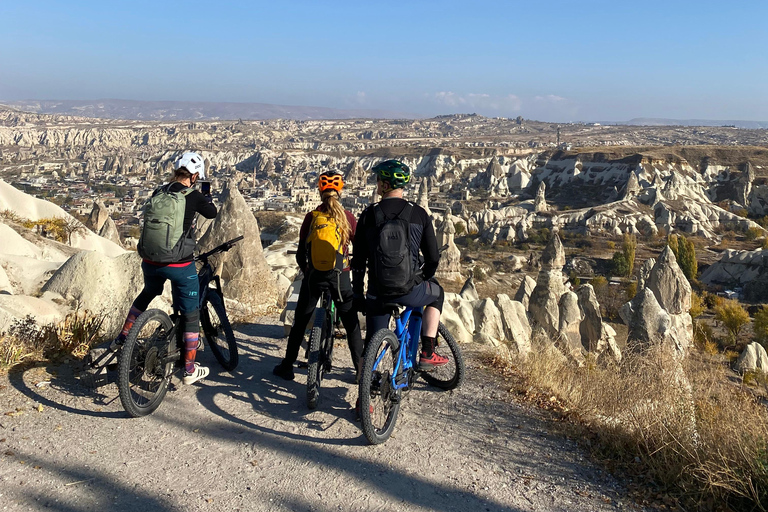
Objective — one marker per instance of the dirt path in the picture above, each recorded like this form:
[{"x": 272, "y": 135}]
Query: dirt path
[{"x": 246, "y": 441}]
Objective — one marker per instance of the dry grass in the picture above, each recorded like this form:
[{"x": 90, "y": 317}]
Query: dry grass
[
  {"x": 698, "y": 436},
  {"x": 75, "y": 335}
]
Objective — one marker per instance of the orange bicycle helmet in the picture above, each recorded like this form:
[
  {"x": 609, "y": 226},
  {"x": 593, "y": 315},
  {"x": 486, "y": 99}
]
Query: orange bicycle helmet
[{"x": 330, "y": 181}]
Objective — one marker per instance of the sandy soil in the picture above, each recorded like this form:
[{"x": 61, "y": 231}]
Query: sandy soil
[{"x": 246, "y": 441}]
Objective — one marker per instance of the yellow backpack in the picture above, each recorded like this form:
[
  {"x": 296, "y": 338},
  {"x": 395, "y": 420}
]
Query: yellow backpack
[{"x": 325, "y": 249}]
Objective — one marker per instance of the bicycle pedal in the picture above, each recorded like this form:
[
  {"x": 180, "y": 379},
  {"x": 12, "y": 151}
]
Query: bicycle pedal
[{"x": 302, "y": 364}]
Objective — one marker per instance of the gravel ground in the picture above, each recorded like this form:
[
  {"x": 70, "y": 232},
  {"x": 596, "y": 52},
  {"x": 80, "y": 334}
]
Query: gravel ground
[{"x": 246, "y": 441}]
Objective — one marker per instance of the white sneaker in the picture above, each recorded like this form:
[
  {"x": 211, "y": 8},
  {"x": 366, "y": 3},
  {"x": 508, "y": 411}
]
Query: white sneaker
[
  {"x": 115, "y": 345},
  {"x": 200, "y": 372}
]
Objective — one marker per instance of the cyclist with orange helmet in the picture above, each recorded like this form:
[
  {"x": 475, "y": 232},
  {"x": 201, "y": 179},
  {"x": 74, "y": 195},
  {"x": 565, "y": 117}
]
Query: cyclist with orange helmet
[{"x": 317, "y": 276}]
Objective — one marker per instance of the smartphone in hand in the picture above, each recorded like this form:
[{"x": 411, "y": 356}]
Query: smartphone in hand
[{"x": 205, "y": 187}]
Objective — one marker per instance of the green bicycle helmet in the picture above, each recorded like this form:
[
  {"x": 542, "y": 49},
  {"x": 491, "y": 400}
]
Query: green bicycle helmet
[{"x": 394, "y": 172}]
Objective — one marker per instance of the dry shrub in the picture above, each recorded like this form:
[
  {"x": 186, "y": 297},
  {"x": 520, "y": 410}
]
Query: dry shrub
[
  {"x": 695, "y": 434},
  {"x": 78, "y": 332},
  {"x": 25, "y": 339}
]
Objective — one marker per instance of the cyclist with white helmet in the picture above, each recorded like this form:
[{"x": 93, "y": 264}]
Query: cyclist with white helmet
[{"x": 177, "y": 263}]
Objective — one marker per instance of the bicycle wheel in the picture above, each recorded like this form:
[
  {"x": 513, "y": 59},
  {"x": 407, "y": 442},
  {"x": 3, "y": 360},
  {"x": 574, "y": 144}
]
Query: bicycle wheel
[
  {"x": 143, "y": 369},
  {"x": 378, "y": 404},
  {"x": 451, "y": 375},
  {"x": 217, "y": 331},
  {"x": 315, "y": 358}
]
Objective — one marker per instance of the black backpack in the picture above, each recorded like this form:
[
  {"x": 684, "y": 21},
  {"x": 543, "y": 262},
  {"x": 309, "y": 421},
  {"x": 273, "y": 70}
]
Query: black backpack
[{"x": 393, "y": 261}]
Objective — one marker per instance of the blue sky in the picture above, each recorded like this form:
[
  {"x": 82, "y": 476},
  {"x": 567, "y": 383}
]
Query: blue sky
[{"x": 549, "y": 60}]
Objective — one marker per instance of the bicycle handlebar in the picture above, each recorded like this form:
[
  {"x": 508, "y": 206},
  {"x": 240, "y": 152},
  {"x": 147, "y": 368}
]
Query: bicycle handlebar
[{"x": 222, "y": 248}]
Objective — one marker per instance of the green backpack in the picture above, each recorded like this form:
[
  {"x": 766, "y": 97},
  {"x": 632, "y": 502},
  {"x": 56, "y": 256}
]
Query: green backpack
[{"x": 163, "y": 239}]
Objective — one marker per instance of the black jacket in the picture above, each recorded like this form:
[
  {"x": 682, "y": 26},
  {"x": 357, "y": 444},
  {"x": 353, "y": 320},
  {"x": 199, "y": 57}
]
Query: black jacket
[{"x": 367, "y": 239}]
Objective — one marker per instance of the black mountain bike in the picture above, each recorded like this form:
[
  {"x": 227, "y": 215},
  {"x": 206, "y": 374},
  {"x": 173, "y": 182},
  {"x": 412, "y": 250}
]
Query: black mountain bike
[
  {"x": 320, "y": 352},
  {"x": 155, "y": 345}
]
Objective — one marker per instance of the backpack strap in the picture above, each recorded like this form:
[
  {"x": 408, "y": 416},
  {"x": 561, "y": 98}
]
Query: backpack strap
[
  {"x": 378, "y": 215},
  {"x": 405, "y": 213}
]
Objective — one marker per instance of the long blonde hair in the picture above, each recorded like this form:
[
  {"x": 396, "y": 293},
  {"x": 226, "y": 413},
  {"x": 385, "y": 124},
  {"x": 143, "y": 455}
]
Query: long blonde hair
[{"x": 339, "y": 214}]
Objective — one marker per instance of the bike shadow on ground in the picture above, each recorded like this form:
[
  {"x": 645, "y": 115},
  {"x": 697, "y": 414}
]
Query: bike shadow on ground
[
  {"x": 61, "y": 378},
  {"x": 253, "y": 384},
  {"x": 379, "y": 475}
]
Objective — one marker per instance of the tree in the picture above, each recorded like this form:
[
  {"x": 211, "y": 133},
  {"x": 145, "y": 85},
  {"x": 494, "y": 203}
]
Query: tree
[
  {"x": 619, "y": 264},
  {"x": 628, "y": 248},
  {"x": 733, "y": 316},
  {"x": 71, "y": 226},
  {"x": 760, "y": 326},
  {"x": 685, "y": 254}
]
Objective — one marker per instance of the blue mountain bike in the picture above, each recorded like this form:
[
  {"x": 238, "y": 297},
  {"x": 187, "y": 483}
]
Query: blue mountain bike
[{"x": 390, "y": 370}]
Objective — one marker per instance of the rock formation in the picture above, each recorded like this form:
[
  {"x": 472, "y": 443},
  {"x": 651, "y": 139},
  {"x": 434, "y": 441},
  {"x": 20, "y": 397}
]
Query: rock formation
[
  {"x": 754, "y": 358},
  {"x": 247, "y": 276},
  {"x": 97, "y": 218},
  {"x": 540, "y": 203},
  {"x": 450, "y": 259},
  {"x": 423, "y": 198},
  {"x": 489, "y": 327},
  {"x": 568, "y": 337},
  {"x": 658, "y": 314},
  {"x": 543, "y": 305},
  {"x": 669, "y": 284},
  {"x": 633, "y": 186},
  {"x": 468, "y": 291},
  {"x": 523, "y": 295},
  {"x": 109, "y": 231},
  {"x": 517, "y": 330},
  {"x": 103, "y": 285},
  {"x": 597, "y": 337}
]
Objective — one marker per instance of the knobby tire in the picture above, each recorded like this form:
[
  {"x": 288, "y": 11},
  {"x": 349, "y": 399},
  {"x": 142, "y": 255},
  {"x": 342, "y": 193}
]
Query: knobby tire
[
  {"x": 451, "y": 375},
  {"x": 376, "y": 388},
  {"x": 217, "y": 331},
  {"x": 314, "y": 362},
  {"x": 142, "y": 379}
]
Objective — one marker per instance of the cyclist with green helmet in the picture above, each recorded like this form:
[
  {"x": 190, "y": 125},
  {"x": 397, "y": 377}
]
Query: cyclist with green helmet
[{"x": 395, "y": 242}]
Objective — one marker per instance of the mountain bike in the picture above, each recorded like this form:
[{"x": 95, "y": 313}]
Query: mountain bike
[
  {"x": 320, "y": 352},
  {"x": 154, "y": 347},
  {"x": 390, "y": 370}
]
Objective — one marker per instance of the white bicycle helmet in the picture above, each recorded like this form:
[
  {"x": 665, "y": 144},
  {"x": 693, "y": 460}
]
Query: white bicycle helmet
[{"x": 193, "y": 163}]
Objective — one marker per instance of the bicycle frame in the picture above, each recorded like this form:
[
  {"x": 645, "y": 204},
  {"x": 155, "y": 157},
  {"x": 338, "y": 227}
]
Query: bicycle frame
[
  {"x": 405, "y": 332},
  {"x": 205, "y": 277}
]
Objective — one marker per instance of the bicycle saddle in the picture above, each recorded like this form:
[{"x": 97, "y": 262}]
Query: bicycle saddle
[{"x": 392, "y": 308}]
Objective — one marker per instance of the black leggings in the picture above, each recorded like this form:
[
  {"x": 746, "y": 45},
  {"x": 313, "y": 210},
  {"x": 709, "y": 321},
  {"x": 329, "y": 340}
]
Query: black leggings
[{"x": 312, "y": 288}]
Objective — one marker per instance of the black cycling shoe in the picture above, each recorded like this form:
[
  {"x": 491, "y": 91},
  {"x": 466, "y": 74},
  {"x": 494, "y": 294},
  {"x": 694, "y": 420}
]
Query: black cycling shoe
[{"x": 285, "y": 371}]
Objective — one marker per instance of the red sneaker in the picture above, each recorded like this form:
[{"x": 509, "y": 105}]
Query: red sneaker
[{"x": 431, "y": 362}]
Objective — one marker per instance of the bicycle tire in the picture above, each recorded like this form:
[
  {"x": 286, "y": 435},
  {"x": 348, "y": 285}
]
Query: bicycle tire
[
  {"x": 451, "y": 375},
  {"x": 378, "y": 410},
  {"x": 142, "y": 379},
  {"x": 217, "y": 331},
  {"x": 314, "y": 362}
]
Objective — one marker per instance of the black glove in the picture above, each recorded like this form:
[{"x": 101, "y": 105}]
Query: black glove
[{"x": 358, "y": 303}]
